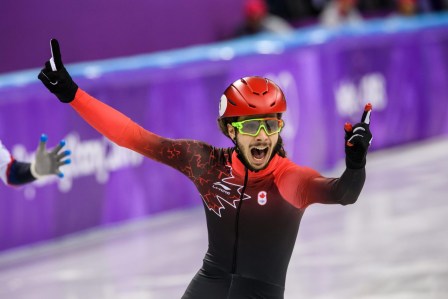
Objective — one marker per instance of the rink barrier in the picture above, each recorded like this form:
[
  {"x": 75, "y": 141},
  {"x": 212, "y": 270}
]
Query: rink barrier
[{"x": 399, "y": 65}]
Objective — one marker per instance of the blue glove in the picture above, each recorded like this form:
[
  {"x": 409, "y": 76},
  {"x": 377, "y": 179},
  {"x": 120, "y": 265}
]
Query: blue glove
[{"x": 48, "y": 162}]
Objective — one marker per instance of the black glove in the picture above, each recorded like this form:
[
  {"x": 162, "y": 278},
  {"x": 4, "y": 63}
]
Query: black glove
[
  {"x": 357, "y": 140},
  {"x": 56, "y": 78}
]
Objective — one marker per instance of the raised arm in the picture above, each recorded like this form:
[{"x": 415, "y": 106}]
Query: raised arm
[
  {"x": 346, "y": 189},
  {"x": 305, "y": 186},
  {"x": 106, "y": 120},
  {"x": 113, "y": 124},
  {"x": 343, "y": 190}
]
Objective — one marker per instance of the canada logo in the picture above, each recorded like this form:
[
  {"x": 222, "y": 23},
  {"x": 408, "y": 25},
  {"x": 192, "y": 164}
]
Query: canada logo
[
  {"x": 228, "y": 193},
  {"x": 262, "y": 198}
]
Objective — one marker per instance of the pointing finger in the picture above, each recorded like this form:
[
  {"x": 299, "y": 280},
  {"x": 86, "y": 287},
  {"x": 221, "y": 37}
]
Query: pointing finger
[{"x": 55, "y": 55}]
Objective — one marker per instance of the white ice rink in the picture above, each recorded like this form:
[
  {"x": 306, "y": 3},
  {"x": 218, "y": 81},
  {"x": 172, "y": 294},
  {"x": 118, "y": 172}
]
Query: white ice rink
[{"x": 392, "y": 244}]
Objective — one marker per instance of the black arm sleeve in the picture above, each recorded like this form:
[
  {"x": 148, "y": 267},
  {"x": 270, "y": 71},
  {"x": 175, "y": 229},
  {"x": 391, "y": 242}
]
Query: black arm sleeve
[
  {"x": 20, "y": 173},
  {"x": 348, "y": 187},
  {"x": 343, "y": 190}
]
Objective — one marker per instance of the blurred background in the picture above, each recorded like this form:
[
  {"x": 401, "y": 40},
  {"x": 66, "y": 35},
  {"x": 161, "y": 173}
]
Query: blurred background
[{"x": 122, "y": 226}]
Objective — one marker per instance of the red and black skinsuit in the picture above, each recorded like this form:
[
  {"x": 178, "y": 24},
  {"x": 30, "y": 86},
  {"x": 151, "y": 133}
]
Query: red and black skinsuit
[{"x": 252, "y": 217}]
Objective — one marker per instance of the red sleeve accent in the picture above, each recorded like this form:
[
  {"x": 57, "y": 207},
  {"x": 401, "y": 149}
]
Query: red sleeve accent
[
  {"x": 302, "y": 186},
  {"x": 8, "y": 170},
  {"x": 298, "y": 186},
  {"x": 183, "y": 155},
  {"x": 113, "y": 124}
]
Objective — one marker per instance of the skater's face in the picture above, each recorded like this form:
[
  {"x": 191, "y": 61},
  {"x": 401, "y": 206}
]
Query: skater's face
[{"x": 256, "y": 137}]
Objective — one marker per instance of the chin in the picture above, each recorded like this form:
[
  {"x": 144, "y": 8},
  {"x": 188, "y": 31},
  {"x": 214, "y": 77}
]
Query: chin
[{"x": 260, "y": 167}]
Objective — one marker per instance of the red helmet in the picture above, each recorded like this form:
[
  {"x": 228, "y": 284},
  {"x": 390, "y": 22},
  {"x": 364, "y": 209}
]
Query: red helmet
[{"x": 252, "y": 96}]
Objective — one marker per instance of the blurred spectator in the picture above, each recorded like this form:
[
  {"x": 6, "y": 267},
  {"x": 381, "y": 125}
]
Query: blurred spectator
[
  {"x": 379, "y": 8},
  {"x": 337, "y": 12},
  {"x": 375, "y": 8},
  {"x": 414, "y": 7},
  {"x": 438, "y": 5},
  {"x": 257, "y": 19},
  {"x": 297, "y": 13},
  {"x": 407, "y": 7}
]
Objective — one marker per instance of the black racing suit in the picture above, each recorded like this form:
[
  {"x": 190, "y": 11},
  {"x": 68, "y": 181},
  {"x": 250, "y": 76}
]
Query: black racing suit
[{"x": 252, "y": 217}]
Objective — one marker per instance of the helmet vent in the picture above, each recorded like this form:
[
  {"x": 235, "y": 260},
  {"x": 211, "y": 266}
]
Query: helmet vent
[
  {"x": 231, "y": 102},
  {"x": 273, "y": 103},
  {"x": 252, "y": 106}
]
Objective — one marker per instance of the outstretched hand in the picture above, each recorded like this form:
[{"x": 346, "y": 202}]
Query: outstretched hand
[
  {"x": 49, "y": 162},
  {"x": 56, "y": 78},
  {"x": 357, "y": 140}
]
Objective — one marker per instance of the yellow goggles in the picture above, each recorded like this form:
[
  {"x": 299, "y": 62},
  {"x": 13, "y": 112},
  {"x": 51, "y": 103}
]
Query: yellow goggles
[{"x": 253, "y": 126}]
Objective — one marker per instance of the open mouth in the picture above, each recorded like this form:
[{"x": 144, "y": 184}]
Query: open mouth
[{"x": 259, "y": 153}]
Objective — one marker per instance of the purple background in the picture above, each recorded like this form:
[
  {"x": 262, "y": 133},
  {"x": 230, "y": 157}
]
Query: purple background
[
  {"x": 182, "y": 102},
  {"x": 98, "y": 29}
]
